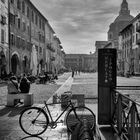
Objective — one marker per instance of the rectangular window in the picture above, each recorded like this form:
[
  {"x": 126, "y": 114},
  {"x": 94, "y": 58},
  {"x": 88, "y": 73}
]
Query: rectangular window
[
  {"x": 19, "y": 23},
  {"x": 3, "y": 19},
  {"x": 32, "y": 16},
  {"x": 28, "y": 12},
  {"x": 12, "y": 18},
  {"x": 12, "y": 39},
  {"x": 40, "y": 50},
  {"x": 23, "y": 7},
  {"x": 43, "y": 25},
  {"x": 12, "y": 1},
  {"x": 18, "y": 4},
  {"x": 24, "y": 26},
  {"x": 136, "y": 37},
  {"x": 39, "y": 37},
  {"x": 18, "y": 42},
  {"x": 40, "y": 23},
  {"x": 36, "y": 19},
  {"x": 2, "y": 36},
  {"x": 28, "y": 29}
]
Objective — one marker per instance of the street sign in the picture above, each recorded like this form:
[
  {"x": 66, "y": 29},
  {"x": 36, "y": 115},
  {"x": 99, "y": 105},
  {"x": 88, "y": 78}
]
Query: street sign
[{"x": 107, "y": 67}]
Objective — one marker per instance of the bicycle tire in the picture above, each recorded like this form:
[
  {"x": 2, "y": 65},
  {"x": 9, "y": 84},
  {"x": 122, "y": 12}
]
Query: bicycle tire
[
  {"x": 82, "y": 113},
  {"x": 31, "y": 126}
]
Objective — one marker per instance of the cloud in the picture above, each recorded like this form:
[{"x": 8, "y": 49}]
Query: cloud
[{"x": 81, "y": 22}]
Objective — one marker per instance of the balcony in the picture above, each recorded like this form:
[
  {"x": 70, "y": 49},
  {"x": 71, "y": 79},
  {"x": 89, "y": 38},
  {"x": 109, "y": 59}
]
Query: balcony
[
  {"x": 138, "y": 28},
  {"x": 138, "y": 41}
]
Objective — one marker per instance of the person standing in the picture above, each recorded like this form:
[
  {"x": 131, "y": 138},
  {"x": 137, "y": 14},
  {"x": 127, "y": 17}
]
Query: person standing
[{"x": 72, "y": 73}]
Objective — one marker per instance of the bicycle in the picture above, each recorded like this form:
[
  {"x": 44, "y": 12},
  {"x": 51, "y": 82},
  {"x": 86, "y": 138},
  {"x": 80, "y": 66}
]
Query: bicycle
[{"x": 35, "y": 120}]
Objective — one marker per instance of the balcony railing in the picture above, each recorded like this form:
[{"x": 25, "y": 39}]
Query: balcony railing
[
  {"x": 138, "y": 28},
  {"x": 126, "y": 119}
]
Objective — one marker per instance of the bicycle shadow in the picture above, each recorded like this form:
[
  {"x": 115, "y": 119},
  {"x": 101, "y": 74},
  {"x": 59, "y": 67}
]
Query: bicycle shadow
[
  {"x": 11, "y": 111},
  {"x": 33, "y": 137}
]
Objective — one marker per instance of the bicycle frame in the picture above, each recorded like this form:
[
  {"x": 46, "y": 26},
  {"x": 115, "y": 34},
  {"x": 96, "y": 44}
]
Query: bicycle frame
[{"x": 69, "y": 105}]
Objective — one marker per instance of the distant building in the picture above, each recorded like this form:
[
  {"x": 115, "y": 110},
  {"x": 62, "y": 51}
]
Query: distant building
[
  {"x": 99, "y": 45},
  {"x": 82, "y": 62},
  {"x": 119, "y": 23}
]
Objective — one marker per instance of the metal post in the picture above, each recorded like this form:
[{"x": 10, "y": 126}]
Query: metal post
[
  {"x": 9, "y": 35},
  {"x": 119, "y": 114},
  {"x": 132, "y": 133}
]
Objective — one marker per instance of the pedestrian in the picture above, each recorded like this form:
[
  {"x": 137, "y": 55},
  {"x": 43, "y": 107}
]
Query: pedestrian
[
  {"x": 24, "y": 85},
  {"x": 13, "y": 87},
  {"x": 72, "y": 73}
]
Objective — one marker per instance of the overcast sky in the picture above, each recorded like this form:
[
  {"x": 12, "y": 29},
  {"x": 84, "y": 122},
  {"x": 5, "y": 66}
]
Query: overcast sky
[{"x": 79, "y": 23}]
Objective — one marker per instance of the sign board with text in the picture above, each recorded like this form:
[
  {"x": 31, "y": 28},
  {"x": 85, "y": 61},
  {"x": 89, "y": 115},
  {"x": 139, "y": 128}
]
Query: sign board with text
[{"x": 106, "y": 80}]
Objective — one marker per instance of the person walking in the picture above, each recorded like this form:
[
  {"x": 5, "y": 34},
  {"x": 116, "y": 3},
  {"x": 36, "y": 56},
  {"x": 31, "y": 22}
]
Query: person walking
[{"x": 72, "y": 73}]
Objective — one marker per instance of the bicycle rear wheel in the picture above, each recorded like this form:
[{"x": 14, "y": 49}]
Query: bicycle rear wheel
[
  {"x": 81, "y": 113},
  {"x": 33, "y": 121}
]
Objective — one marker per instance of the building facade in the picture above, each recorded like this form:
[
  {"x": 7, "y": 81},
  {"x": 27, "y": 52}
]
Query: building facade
[
  {"x": 4, "y": 39},
  {"x": 37, "y": 23},
  {"x": 126, "y": 61},
  {"x": 130, "y": 47},
  {"x": 20, "y": 36},
  {"x": 81, "y": 62},
  {"x": 21, "y": 31}
]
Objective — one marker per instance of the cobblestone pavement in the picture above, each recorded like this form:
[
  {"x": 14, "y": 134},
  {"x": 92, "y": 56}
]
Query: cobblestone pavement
[{"x": 82, "y": 84}]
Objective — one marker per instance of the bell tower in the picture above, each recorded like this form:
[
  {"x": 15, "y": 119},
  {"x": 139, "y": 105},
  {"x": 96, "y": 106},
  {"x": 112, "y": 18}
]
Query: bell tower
[{"x": 124, "y": 8}]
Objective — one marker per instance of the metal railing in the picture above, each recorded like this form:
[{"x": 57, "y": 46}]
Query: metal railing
[{"x": 125, "y": 116}]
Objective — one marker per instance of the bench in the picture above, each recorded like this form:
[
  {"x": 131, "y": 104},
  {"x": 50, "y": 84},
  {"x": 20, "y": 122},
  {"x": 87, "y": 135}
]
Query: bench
[{"x": 28, "y": 98}]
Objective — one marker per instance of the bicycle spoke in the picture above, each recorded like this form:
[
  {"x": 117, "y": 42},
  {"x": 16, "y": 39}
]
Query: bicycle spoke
[
  {"x": 33, "y": 121},
  {"x": 81, "y": 113}
]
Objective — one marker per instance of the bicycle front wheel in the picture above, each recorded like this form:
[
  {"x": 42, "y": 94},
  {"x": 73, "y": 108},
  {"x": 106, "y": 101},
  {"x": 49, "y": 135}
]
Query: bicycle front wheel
[
  {"x": 33, "y": 121},
  {"x": 80, "y": 113}
]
